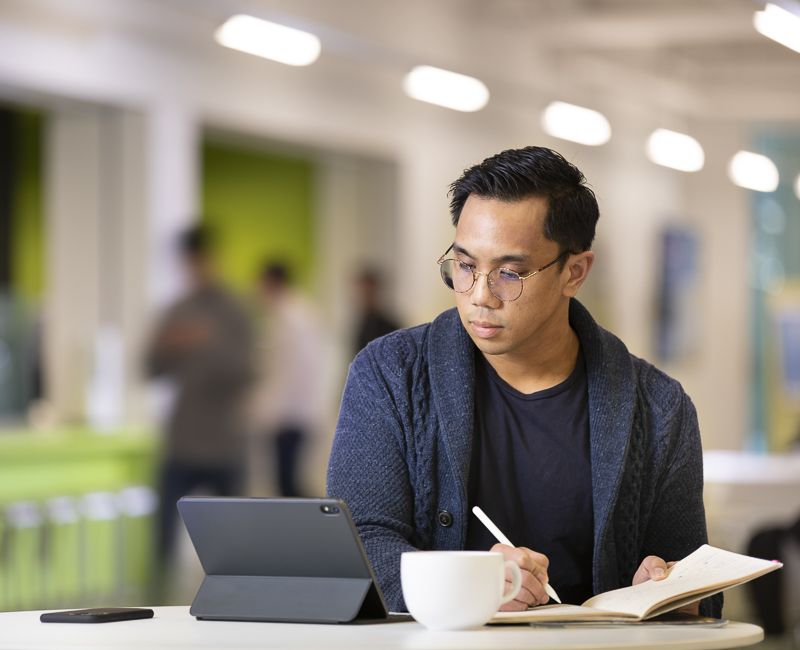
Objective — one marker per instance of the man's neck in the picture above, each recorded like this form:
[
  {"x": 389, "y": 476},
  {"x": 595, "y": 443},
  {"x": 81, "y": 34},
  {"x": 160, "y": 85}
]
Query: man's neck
[{"x": 543, "y": 368}]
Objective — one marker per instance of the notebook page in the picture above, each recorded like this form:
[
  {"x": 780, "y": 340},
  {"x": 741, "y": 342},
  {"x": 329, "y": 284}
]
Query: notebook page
[{"x": 707, "y": 569}]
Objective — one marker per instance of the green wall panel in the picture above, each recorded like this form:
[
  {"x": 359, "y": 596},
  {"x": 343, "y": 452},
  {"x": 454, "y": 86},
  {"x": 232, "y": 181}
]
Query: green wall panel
[
  {"x": 261, "y": 206},
  {"x": 28, "y": 264}
]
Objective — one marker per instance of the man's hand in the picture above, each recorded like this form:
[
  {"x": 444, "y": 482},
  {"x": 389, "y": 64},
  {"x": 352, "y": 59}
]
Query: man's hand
[
  {"x": 651, "y": 568},
  {"x": 654, "y": 568},
  {"x": 533, "y": 567}
]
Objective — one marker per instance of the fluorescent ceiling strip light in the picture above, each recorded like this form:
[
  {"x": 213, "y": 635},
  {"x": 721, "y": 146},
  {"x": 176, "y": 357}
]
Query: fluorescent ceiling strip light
[
  {"x": 444, "y": 88},
  {"x": 268, "y": 40},
  {"x": 576, "y": 124},
  {"x": 675, "y": 150},
  {"x": 779, "y": 24},
  {"x": 753, "y": 171},
  {"x": 797, "y": 186}
]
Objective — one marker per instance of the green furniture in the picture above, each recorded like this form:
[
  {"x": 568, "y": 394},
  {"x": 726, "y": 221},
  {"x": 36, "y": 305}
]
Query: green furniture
[{"x": 77, "y": 514}]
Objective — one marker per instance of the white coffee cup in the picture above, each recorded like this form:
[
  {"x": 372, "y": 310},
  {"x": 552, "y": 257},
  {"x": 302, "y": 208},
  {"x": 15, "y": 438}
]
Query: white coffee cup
[{"x": 456, "y": 590}]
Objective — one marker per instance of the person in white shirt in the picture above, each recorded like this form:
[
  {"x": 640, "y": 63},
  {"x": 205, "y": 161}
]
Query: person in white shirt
[{"x": 289, "y": 398}]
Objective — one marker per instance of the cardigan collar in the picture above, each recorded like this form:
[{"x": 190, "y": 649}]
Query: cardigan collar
[
  {"x": 612, "y": 399},
  {"x": 452, "y": 370}
]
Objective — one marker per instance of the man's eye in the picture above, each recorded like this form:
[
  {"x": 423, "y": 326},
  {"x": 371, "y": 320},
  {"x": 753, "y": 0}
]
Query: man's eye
[
  {"x": 507, "y": 274},
  {"x": 464, "y": 267}
]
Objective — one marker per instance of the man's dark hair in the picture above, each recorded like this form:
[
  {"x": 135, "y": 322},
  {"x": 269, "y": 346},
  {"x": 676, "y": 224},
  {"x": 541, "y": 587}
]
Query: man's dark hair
[
  {"x": 518, "y": 174},
  {"x": 195, "y": 241}
]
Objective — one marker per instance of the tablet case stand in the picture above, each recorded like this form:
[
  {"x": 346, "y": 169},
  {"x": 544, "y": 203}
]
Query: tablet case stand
[
  {"x": 287, "y": 599},
  {"x": 274, "y": 559}
]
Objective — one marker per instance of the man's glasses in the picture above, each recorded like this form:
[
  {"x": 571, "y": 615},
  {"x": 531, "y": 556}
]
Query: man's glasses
[{"x": 505, "y": 284}]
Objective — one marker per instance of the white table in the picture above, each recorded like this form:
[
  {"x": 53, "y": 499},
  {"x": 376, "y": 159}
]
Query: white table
[
  {"x": 174, "y": 627},
  {"x": 745, "y": 491}
]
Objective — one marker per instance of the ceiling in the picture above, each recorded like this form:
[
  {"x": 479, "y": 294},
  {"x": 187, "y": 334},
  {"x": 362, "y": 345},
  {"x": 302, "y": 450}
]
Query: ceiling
[
  {"x": 693, "y": 58},
  {"x": 698, "y": 58}
]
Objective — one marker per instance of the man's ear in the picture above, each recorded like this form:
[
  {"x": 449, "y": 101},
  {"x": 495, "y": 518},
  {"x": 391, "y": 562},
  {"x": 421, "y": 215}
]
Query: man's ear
[{"x": 578, "y": 266}]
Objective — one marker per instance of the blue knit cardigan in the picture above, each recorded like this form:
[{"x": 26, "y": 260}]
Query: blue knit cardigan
[{"x": 401, "y": 453}]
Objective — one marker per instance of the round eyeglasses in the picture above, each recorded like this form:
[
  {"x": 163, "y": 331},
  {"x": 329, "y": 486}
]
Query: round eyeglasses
[{"x": 506, "y": 285}]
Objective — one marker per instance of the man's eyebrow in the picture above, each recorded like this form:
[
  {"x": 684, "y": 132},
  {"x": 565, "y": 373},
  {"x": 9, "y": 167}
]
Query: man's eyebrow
[{"x": 503, "y": 259}]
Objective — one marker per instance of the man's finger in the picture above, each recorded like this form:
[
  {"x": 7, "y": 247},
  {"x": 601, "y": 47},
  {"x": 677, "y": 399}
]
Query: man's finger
[
  {"x": 526, "y": 559},
  {"x": 651, "y": 568},
  {"x": 532, "y": 590},
  {"x": 539, "y": 559},
  {"x": 531, "y": 593},
  {"x": 533, "y": 567}
]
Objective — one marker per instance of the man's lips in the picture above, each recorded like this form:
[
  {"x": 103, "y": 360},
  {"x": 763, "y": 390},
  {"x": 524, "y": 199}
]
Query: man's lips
[{"x": 484, "y": 329}]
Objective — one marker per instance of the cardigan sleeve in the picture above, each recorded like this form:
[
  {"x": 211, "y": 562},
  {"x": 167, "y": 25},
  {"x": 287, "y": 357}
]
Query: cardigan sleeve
[
  {"x": 368, "y": 470},
  {"x": 678, "y": 523}
]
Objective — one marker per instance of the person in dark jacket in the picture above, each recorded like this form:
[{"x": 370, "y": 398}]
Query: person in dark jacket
[
  {"x": 373, "y": 320},
  {"x": 587, "y": 457},
  {"x": 203, "y": 344}
]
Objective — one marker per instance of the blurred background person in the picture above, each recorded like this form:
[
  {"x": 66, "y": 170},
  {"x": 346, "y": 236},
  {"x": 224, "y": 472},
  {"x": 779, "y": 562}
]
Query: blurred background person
[
  {"x": 288, "y": 402},
  {"x": 374, "y": 320},
  {"x": 203, "y": 344}
]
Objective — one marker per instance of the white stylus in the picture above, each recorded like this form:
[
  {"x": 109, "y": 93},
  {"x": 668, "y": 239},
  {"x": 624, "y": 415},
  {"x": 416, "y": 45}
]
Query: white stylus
[{"x": 498, "y": 535}]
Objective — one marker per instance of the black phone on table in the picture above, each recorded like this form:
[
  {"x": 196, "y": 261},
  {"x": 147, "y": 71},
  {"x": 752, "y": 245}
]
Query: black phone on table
[{"x": 97, "y": 615}]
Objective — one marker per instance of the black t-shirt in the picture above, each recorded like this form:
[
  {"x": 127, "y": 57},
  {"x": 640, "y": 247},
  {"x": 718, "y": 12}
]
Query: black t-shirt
[{"x": 531, "y": 473}]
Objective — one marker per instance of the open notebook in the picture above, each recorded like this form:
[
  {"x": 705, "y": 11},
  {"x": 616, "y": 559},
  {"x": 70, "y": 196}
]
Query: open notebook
[{"x": 703, "y": 573}]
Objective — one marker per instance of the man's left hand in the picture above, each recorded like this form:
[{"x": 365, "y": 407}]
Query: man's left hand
[{"x": 655, "y": 568}]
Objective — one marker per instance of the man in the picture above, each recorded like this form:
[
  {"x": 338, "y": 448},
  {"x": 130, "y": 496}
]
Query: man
[
  {"x": 203, "y": 345},
  {"x": 587, "y": 457}
]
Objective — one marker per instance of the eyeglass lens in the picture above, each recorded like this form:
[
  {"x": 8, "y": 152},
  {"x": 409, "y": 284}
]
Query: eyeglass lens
[{"x": 504, "y": 284}]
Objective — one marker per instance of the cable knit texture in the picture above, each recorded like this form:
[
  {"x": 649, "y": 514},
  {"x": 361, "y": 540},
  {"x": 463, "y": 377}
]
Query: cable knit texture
[{"x": 401, "y": 453}]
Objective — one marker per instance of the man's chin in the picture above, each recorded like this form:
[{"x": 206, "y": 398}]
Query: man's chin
[
  {"x": 489, "y": 340},
  {"x": 489, "y": 346}
]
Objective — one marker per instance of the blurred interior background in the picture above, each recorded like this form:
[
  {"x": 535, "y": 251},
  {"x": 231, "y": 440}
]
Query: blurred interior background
[{"x": 123, "y": 122}]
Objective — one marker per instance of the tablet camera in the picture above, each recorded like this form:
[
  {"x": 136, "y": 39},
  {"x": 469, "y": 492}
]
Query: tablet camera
[{"x": 329, "y": 510}]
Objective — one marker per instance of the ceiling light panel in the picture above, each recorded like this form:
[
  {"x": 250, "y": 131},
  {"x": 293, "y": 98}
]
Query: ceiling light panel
[
  {"x": 753, "y": 171},
  {"x": 779, "y": 24},
  {"x": 675, "y": 150},
  {"x": 576, "y": 124},
  {"x": 269, "y": 40},
  {"x": 445, "y": 88}
]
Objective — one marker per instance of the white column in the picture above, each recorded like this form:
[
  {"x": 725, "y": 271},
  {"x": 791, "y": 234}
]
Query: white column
[
  {"x": 72, "y": 205},
  {"x": 173, "y": 172},
  {"x": 719, "y": 378},
  {"x": 425, "y": 228}
]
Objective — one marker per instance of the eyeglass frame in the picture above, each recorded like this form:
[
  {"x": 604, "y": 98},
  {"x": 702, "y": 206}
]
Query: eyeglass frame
[{"x": 476, "y": 273}]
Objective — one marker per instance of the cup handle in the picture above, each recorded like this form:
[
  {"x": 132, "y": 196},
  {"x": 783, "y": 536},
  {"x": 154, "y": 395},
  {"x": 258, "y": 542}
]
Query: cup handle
[{"x": 516, "y": 582}]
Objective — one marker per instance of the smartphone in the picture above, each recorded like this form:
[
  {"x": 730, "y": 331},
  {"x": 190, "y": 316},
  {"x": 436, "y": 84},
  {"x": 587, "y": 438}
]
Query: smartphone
[{"x": 97, "y": 615}]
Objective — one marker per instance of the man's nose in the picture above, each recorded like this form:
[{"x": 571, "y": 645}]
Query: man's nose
[{"x": 482, "y": 296}]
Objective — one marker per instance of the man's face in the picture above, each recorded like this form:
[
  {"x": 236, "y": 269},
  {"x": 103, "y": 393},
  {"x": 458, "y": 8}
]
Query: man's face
[{"x": 492, "y": 233}]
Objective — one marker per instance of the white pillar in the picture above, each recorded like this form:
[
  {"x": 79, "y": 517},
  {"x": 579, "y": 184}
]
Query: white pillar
[
  {"x": 173, "y": 164},
  {"x": 119, "y": 187},
  {"x": 72, "y": 212}
]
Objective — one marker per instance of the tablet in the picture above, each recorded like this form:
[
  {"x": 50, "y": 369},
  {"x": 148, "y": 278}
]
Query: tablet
[{"x": 272, "y": 559}]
